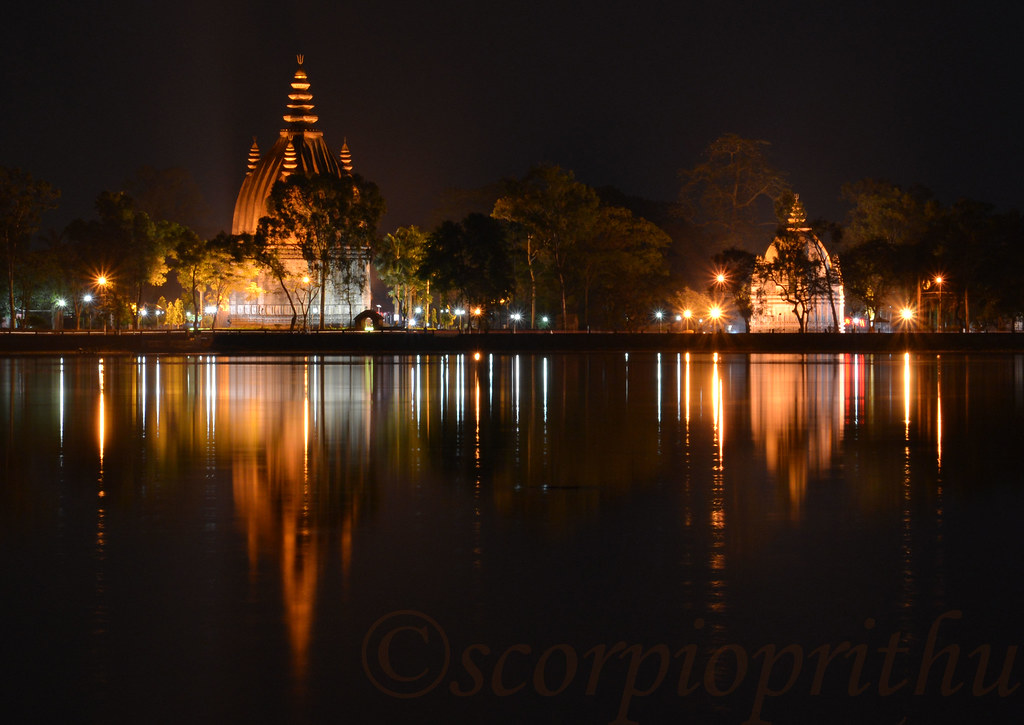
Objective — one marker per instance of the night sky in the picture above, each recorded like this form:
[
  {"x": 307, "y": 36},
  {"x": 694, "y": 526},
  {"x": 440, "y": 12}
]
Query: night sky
[{"x": 455, "y": 94}]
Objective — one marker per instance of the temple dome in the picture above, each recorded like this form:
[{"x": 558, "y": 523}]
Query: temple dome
[{"x": 300, "y": 148}]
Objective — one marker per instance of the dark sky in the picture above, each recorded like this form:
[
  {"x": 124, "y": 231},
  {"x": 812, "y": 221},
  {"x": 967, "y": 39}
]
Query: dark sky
[{"x": 457, "y": 93}]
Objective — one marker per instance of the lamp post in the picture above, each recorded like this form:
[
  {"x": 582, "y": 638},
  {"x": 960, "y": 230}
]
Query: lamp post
[
  {"x": 515, "y": 321},
  {"x": 102, "y": 281},
  {"x": 58, "y": 323},
  {"x": 659, "y": 315},
  {"x": 938, "y": 313},
  {"x": 87, "y": 299},
  {"x": 687, "y": 314}
]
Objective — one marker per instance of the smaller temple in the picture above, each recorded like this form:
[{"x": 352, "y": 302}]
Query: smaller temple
[{"x": 817, "y": 294}]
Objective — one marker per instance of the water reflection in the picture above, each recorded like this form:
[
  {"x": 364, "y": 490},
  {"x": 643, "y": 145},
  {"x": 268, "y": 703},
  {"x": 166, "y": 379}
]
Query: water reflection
[{"x": 334, "y": 478}]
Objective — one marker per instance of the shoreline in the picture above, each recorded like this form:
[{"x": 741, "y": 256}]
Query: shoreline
[{"x": 274, "y": 342}]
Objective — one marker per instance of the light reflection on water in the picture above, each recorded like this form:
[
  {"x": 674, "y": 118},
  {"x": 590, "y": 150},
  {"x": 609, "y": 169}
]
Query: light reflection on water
[{"x": 493, "y": 489}]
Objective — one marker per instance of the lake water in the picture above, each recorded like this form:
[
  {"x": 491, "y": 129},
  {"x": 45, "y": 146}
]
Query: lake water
[{"x": 547, "y": 538}]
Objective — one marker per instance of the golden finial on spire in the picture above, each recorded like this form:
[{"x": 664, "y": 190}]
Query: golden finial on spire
[
  {"x": 300, "y": 57},
  {"x": 300, "y": 100},
  {"x": 797, "y": 215}
]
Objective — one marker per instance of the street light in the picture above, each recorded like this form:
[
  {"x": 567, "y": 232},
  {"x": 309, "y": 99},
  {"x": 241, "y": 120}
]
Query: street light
[
  {"x": 60, "y": 303},
  {"x": 659, "y": 314},
  {"x": 938, "y": 314},
  {"x": 687, "y": 314},
  {"x": 516, "y": 317},
  {"x": 102, "y": 281},
  {"x": 87, "y": 299},
  {"x": 715, "y": 313},
  {"x": 906, "y": 316}
]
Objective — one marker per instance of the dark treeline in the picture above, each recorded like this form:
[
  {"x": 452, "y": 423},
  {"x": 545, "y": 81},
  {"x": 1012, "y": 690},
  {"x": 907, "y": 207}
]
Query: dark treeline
[{"x": 543, "y": 250}]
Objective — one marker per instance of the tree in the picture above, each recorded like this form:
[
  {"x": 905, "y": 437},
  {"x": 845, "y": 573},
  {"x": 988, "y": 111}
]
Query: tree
[
  {"x": 870, "y": 273},
  {"x": 397, "y": 259},
  {"x": 471, "y": 258},
  {"x": 737, "y": 267},
  {"x": 128, "y": 248},
  {"x": 231, "y": 268},
  {"x": 697, "y": 304},
  {"x": 22, "y": 200},
  {"x": 333, "y": 221},
  {"x": 887, "y": 237},
  {"x": 621, "y": 263},
  {"x": 553, "y": 212},
  {"x": 729, "y": 193},
  {"x": 191, "y": 262}
]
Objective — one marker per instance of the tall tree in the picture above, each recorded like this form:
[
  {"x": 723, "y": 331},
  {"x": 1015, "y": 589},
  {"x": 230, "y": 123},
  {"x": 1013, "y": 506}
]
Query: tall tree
[
  {"x": 471, "y": 258},
  {"x": 127, "y": 247},
  {"x": 332, "y": 220},
  {"x": 731, "y": 192},
  {"x": 22, "y": 200},
  {"x": 621, "y": 263},
  {"x": 398, "y": 259},
  {"x": 554, "y": 212},
  {"x": 870, "y": 273},
  {"x": 888, "y": 241}
]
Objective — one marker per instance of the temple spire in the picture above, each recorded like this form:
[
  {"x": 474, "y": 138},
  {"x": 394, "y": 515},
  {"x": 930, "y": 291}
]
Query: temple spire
[
  {"x": 346, "y": 156},
  {"x": 290, "y": 162},
  {"x": 797, "y": 216},
  {"x": 254, "y": 155},
  {"x": 300, "y": 100}
]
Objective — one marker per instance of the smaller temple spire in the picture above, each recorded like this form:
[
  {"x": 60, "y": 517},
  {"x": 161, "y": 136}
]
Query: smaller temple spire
[
  {"x": 290, "y": 162},
  {"x": 346, "y": 157},
  {"x": 254, "y": 155}
]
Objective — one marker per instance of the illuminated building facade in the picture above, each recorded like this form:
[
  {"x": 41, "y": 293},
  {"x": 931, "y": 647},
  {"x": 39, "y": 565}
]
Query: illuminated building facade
[
  {"x": 300, "y": 148},
  {"x": 824, "y": 303}
]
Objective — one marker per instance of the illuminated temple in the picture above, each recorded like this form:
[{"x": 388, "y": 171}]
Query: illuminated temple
[
  {"x": 825, "y": 310},
  {"x": 300, "y": 148}
]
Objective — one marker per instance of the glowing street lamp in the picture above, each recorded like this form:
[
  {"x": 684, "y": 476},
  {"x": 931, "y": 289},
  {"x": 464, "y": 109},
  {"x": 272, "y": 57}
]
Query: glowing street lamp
[
  {"x": 516, "y": 317},
  {"x": 715, "y": 313},
  {"x": 659, "y": 315},
  {"x": 906, "y": 316},
  {"x": 938, "y": 314},
  {"x": 58, "y": 322},
  {"x": 87, "y": 299},
  {"x": 102, "y": 282},
  {"x": 687, "y": 314}
]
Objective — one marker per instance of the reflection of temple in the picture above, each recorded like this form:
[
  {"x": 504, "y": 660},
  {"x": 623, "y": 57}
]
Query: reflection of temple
[
  {"x": 773, "y": 313},
  {"x": 797, "y": 412},
  {"x": 300, "y": 149}
]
